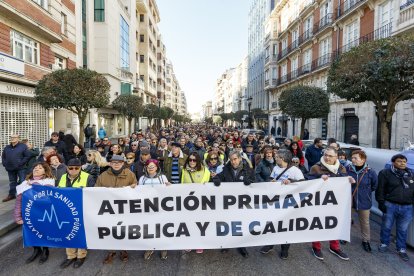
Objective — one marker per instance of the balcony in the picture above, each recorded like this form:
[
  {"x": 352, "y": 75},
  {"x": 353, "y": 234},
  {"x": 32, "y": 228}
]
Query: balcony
[
  {"x": 323, "y": 23},
  {"x": 270, "y": 83},
  {"x": 322, "y": 61},
  {"x": 307, "y": 34},
  {"x": 348, "y": 6},
  {"x": 406, "y": 18},
  {"x": 283, "y": 53}
]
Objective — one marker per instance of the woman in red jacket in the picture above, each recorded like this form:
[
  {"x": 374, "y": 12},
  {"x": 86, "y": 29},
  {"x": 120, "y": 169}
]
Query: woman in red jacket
[{"x": 297, "y": 152}]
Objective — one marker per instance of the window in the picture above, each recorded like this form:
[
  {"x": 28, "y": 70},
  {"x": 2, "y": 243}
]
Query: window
[
  {"x": 351, "y": 35},
  {"x": 99, "y": 12},
  {"x": 141, "y": 77},
  {"x": 385, "y": 18},
  {"x": 295, "y": 38},
  {"x": 324, "y": 51},
  {"x": 43, "y": 3},
  {"x": 307, "y": 59},
  {"x": 142, "y": 59},
  {"x": 308, "y": 27},
  {"x": 84, "y": 36},
  {"x": 25, "y": 48},
  {"x": 295, "y": 67},
  {"x": 59, "y": 63},
  {"x": 124, "y": 44},
  {"x": 125, "y": 88},
  {"x": 64, "y": 24},
  {"x": 141, "y": 38},
  {"x": 284, "y": 44},
  {"x": 141, "y": 18}
]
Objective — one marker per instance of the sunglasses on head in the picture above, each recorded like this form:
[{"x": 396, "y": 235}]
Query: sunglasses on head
[{"x": 73, "y": 168}]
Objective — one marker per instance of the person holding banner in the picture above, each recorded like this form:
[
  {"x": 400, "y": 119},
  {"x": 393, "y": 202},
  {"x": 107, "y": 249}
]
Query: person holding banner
[
  {"x": 75, "y": 178},
  {"x": 366, "y": 181},
  {"x": 195, "y": 172},
  {"x": 153, "y": 176},
  {"x": 118, "y": 176},
  {"x": 265, "y": 167},
  {"x": 235, "y": 171},
  {"x": 286, "y": 173},
  {"x": 41, "y": 175},
  {"x": 328, "y": 166}
]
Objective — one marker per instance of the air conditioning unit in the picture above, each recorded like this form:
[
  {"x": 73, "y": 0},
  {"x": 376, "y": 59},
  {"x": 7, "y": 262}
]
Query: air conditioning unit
[{"x": 55, "y": 67}]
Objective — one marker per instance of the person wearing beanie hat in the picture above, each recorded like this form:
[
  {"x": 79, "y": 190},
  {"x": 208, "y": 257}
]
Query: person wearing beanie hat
[
  {"x": 117, "y": 176},
  {"x": 75, "y": 178}
]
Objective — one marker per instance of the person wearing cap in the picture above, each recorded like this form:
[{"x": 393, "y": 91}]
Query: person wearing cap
[
  {"x": 174, "y": 163},
  {"x": 75, "y": 178},
  {"x": 153, "y": 176},
  {"x": 250, "y": 154},
  {"x": 59, "y": 145},
  {"x": 140, "y": 164},
  {"x": 118, "y": 176}
]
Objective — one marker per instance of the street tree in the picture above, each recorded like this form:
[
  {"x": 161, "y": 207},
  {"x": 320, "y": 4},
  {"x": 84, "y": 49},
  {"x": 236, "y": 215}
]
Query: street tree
[
  {"x": 151, "y": 111},
  {"x": 304, "y": 102},
  {"x": 131, "y": 106},
  {"x": 239, "y": 115},
  {"x": 76, "y": 90},
  {"x": 167, "y": 113},
  {"x": 381, "y": 72},
  {"x": 256, "y": 113}
]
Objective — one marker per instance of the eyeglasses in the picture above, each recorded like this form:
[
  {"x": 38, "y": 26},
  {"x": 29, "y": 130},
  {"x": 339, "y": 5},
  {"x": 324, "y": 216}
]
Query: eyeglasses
[
  {"x": 106, "y": 140},
  {"x": 151, "y": 168},
  {"x": 239, "y": 147},
  {"x": 213, "y": 158},
  {"x": 133, "y": 145},
  {"x": 192, "y": 160},
  {"x": 74, "y": 168},
  {"x": 130, "y": 158}
]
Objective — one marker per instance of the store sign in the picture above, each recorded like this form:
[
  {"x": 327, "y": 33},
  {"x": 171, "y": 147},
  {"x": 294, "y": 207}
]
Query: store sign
[
  {"x": 12, "y": 65},
  {"x": 16, "y": 90}
]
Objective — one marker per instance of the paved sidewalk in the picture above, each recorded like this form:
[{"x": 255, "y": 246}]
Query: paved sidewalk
[{"x": 6, "y": 208}]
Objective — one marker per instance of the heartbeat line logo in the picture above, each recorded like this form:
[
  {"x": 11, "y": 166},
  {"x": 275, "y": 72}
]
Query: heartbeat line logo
[{"x": 51, "y": 216}]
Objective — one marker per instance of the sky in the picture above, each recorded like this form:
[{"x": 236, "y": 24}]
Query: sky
[{"x": 203, "y": 38}]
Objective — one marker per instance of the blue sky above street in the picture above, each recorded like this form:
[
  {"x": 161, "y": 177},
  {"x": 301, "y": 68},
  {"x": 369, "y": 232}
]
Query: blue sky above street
[{"x": 203, "y": 39}]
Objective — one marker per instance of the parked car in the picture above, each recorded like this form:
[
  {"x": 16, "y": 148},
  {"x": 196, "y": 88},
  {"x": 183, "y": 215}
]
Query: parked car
[{"x": 259, "y": 133}]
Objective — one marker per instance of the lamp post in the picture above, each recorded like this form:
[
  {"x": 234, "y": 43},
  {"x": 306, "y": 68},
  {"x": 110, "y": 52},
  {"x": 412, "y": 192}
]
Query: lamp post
[
  {"x": 249, "y": 104},
  {"x": 159, "y": 112}
]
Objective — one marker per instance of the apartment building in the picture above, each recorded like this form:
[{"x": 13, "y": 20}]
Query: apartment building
[
  {"x": 223, "y": 96},
  {"x": 303, "y": 37},
  {"x": 148, "y": 16},
  {"x": 36, "y": 37},
  {"x": 161, "y": 72},
  {"x": 259, "y": 12},
  {"x": 207, "y": 110}
]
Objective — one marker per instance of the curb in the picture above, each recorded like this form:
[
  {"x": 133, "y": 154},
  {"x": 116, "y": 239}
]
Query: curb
[{"x": 7, "y": 223}]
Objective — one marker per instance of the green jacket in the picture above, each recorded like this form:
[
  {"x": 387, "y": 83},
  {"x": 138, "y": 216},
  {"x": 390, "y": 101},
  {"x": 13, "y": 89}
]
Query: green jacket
[{"x": 168, "y": 164}]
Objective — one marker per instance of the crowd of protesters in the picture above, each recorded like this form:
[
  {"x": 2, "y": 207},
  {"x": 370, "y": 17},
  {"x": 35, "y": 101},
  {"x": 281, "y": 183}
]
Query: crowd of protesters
[{"x": 201, "y": 154}]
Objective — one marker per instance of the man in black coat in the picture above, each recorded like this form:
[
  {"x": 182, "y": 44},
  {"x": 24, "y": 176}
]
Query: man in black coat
[
  {"x": 58, "y": 144},
  {"x": 14, "y": 159},
  {"x": 235, "y": 171}
]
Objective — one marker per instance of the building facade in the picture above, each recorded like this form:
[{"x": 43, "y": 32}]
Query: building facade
[
  {"x": 302, "y": 40},
  {"x": 36, "y": 37},
  {"x": 259, "y": 12}
]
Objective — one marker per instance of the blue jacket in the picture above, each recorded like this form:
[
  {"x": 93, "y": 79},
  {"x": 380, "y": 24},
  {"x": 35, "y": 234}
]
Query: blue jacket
[
  {"x": 264, "y": 170},
  {"x": 15, "y": 157},
  {"x": 362, "y": 199},
  {"x": 313, "y": 155},
  {"x": 101, "y": 133}
]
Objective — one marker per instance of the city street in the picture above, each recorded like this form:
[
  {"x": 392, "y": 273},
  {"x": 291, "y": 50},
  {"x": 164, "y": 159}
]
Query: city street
[{"x": 212, "y": 262}]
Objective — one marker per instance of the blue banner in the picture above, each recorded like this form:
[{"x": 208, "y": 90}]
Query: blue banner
[{"x": 53, "y": 217}]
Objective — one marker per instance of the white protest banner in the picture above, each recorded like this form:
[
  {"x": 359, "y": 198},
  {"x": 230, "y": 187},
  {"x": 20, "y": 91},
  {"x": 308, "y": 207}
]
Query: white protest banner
[{"x": 190, "y": 216}]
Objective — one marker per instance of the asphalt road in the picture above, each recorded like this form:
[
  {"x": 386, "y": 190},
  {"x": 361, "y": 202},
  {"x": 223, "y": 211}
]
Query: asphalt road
[{"x": 212, "y": 262}]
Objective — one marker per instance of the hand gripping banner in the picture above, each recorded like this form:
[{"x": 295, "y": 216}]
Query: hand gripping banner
[{"x": 190, "y": 216}]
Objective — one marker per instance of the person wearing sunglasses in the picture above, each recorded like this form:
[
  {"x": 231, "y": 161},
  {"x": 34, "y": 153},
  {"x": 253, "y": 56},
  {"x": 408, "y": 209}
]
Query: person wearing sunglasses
[
  {"x": 130, "y": 161},
  {"x": 195, "y": 172},
  {"x": 117, "y": 176},
  {"x": 75, "y": 178},
  {"x": 95, "y": 164},
  {"x": 214, "y": 164}
]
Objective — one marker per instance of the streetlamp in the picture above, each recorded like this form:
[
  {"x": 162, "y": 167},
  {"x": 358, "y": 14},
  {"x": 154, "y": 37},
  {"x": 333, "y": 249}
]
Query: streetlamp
[
  {"x": 159, "y": 112},
  {"x": 249, "y": 104}
]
